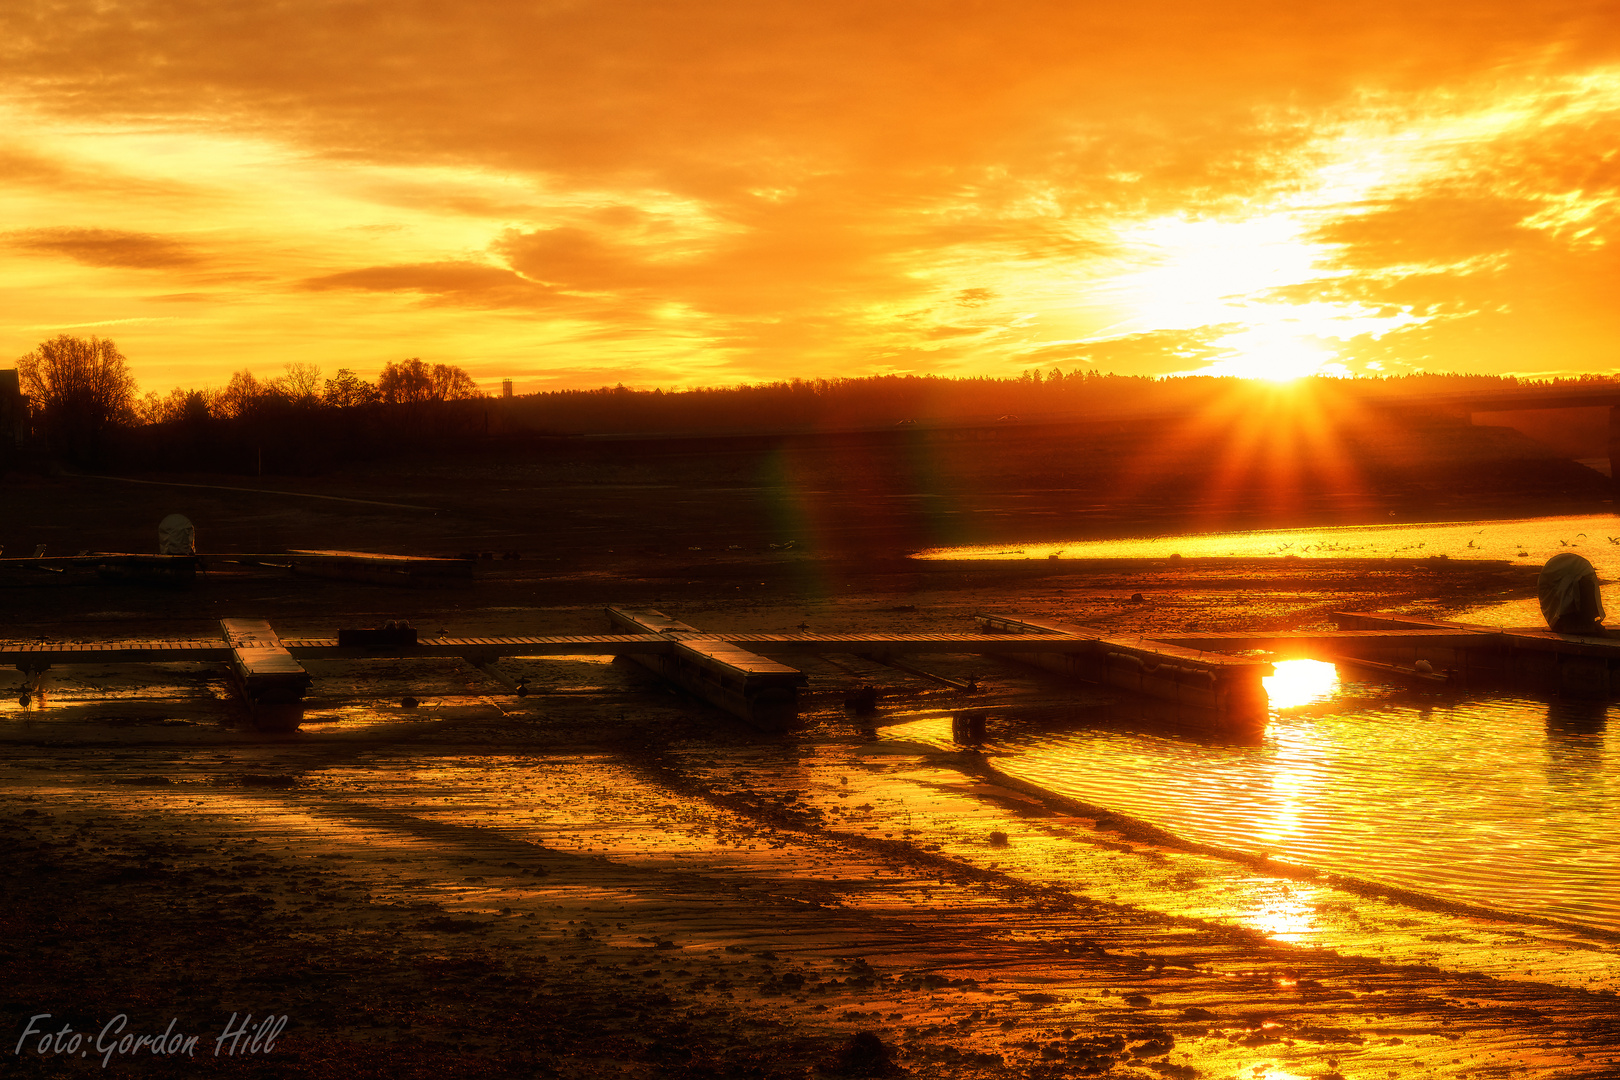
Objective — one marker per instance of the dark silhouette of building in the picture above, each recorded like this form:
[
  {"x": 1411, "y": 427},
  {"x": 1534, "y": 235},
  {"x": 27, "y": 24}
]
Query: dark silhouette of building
[{"x": 14, "y": 425}]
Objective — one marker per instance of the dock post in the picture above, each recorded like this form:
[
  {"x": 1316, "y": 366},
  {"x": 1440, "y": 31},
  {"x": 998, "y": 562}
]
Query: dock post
[
  {"x": 967, "y": 727},
  {"x": 33, "y": 679}
]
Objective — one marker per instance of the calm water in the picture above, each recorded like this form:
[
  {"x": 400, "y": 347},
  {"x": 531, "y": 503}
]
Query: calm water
[
  {"x": 1529, "y": 541},
  {"x": 1502, "y": 801}
]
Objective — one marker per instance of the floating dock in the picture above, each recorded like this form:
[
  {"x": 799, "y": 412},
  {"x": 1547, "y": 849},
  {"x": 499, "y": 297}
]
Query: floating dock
[
  {"x": 92, "y": 568},
  {"x": 271, "y": 681},
  {"x": 760, "y": 691},
  {"x": 1227, "y": 685},
  {"x": 1535, "y": 658},
  {"x": 1566, "y": 665},
  {"x": 367, "y": 566},
  {"x": 1196, "y": 673}
]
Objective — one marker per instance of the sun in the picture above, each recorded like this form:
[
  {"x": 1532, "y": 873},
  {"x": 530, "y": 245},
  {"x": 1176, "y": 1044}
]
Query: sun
[
  {"x": 1300, "y": 682},
  {"x": 1277, "y": 353},
  {"x": 1233, "y": 276}
]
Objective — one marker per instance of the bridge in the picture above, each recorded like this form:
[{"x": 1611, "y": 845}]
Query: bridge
[{"x": 1592, "y": 396}]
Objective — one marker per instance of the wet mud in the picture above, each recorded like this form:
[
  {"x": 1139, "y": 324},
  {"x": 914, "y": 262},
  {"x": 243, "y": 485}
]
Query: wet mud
[{"x": 604, "y": 878}]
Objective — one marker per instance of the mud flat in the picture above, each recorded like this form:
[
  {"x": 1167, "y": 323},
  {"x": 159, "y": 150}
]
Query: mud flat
[{"x": 604, "y": 879}]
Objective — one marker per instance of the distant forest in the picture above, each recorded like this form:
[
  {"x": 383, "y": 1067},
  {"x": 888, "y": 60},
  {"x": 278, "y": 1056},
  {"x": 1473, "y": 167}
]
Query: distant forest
[{"x": 83, "y": 406}]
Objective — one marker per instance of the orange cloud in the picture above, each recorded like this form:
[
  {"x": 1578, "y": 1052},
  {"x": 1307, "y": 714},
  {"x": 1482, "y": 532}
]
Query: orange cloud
[
  {"x": 467, "y": 282},
  {"x": 707, "y": 191},
  {"x": 105, "y": 247}
]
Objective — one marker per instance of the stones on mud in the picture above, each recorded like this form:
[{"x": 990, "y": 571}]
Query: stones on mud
[
  {"x": 863, "y": 1054},
  {"x": 408, "y": 703},
  {"x": 998, "y": 839},
  {"x": 446, "y": 925},
  {"x": 1140, "y": 1001},
  {"x": 1187, "y": 1072},
  {"x": 266, "y": 780},
  {"x": 791, "y": 982},
  {"x": 1157, "y": 1045},
  {"x": 1193, "y": 1012}
]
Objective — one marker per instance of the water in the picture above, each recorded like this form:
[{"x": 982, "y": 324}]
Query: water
[
  {"x": 1528, "y": 541},
  {"x": 1500, "y": 801}
]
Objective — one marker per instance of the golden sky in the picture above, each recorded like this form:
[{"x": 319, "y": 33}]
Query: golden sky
[{"x": 684, "y": 192}]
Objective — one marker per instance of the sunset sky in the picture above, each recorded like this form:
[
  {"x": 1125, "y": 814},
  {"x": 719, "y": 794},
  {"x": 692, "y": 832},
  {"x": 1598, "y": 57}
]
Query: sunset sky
[{"x": 574, "y": 193}]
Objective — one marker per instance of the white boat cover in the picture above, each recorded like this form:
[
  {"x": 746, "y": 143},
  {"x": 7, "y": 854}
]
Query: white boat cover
[
  {"x": 1568, "y": 588},
  {"x": 176, "y": 536}
]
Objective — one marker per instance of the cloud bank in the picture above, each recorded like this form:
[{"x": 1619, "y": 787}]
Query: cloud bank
[{"x": 713, "y": 192}]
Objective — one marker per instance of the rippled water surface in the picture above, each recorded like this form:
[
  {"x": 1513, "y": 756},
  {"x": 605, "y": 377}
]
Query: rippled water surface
[
  {"x": 1502, "y": 802},
  {"x": 1499, "y": 801}
]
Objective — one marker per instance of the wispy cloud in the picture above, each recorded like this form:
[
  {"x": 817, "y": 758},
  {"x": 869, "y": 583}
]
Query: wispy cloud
[
  {"x": 699, "y": 191},
  {"x": 105, "y": 247},
  {"x": 477, "y": 284}
]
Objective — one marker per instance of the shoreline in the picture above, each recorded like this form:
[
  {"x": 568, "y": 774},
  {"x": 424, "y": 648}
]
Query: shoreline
[
  {"x": 605, "y": 879},
  {"x": 883, "y": 934}
]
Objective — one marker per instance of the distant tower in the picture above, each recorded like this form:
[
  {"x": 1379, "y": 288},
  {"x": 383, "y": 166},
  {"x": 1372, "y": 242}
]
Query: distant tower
[{"x": 506, "y": 388}]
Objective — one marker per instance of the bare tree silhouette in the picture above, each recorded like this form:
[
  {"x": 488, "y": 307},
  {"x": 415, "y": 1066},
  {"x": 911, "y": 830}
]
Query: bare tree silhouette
[
  {"x": 240, "y": 395},
  {"x": 301, "y": 385},
  {"x": 80, "y": 388}
]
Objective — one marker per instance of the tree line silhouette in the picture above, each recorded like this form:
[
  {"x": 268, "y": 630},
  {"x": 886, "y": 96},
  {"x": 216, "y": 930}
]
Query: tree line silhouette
[{"x": 85, "y": 408}]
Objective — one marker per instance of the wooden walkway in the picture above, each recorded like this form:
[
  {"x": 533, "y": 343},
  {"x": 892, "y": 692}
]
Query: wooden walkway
[
  {"x": 148, "y": 651},
  {"x": 1198, "y": 671},
  {"x": 725, "y": 670}
]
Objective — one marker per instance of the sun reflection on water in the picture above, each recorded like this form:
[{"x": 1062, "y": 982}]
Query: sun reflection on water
[
  {"x": 1284, "y": 919},
  {"x": 1300, "y": 682}
]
